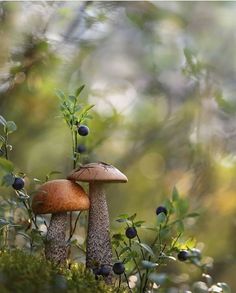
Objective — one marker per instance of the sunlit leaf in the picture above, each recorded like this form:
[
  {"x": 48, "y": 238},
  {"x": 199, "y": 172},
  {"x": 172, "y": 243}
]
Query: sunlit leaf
[
  {"x": 148, "y": 264},
  {"x": 131, "y": 218},
  {"x": 225, "y": 287},
  {"x": 79, "y": 90},
  {"x": 10, "y": 127},
  {"x": 146, "y": 247}
]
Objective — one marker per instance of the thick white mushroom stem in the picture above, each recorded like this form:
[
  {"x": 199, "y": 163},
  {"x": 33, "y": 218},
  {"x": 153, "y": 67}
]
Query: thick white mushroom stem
[
  {"x": 99, "y": 250},
  {"x": 55, "y": 246}
]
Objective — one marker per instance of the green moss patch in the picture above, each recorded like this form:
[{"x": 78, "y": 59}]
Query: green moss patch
[{"x": 22, "y": 272}]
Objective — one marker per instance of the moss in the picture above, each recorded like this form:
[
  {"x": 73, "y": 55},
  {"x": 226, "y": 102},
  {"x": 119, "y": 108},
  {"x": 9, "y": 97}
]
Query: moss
[{"x": 22, "y": 272}]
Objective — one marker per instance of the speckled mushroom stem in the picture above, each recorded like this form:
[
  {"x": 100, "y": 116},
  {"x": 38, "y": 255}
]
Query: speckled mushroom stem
[
  {"x": 99, "y": 250},
  {"x": 55, "y": 246}
]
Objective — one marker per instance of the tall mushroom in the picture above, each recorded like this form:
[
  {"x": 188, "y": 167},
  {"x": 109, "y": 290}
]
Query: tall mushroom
[
  {"x": 57, "y": 197},
  {"x": 99, "y": 251}
]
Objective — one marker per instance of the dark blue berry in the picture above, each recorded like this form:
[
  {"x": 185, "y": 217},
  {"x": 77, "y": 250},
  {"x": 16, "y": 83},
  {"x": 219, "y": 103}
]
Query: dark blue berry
[
  {"x": 83, "y": 130},
  {"x": 96, "y": 272},
  {"x": 18, "y": 183},
  {"x": 81, "y": 149},
  {"x": 1, "y": 153},
  {"x": 118, "y": 268},
  {"x": 104, "y": 271},
  {"x": 131, "y": 232},
  {"x": 183, "y": 255},
  {"x": 161, "y": 209}
]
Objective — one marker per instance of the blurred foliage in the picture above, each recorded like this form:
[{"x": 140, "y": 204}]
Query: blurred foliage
[
  {"x": 22, "y": 272},
  {"x": 163, "y": 82}
]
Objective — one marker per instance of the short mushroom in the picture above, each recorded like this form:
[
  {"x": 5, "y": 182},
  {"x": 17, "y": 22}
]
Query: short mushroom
[
  {"x": 99, "y": 250},
  {"x": 57, "y": 197}
]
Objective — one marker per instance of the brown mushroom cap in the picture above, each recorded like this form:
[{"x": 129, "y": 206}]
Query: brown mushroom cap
[
  {"x": 101, "y": 172},
  {"x": 59, "y": 196}
]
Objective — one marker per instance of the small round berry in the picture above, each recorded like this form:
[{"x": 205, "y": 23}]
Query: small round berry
[
  {"x": 161, "y": 209},
  {"x": 118, "y": 268},
  {"x": 105, "y": 270},
  {"x": 18, "y": 183},
  {"x": 183, "y": 255},
  {"x": 131, "y": 232},
  {"x": 1, "y": 153},
  {"x": 96, "y": 272},
  {"x": 83, "y": 130},
  {"x": 81, "y": 148}
]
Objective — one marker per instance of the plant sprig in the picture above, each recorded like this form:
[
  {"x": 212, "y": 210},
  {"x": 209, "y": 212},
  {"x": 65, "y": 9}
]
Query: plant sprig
[{"x": 74, "y": 114}]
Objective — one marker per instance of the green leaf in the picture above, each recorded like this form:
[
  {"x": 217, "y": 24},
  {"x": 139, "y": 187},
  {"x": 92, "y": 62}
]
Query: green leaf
[
  {"x": 148, "y": 264},
  {"x": 8, "y": 179},
  {"x": 161, "y": 218},
  {"x": 169, "y": 206},
  {"x": 191, "y": 243},
  {"x": 225, "y": 287},
  {"x": 118, "y": 237},
  {"x": 131, "y": 218},
  {"x": 163, "y": 255},
  {"x": 86, "y": 109},
  {"x": 72, "y": 98},
  {"x": 138, "y": 223},
  {"x": 10, "y": 127},
  {"x": 123, "y": 216},
  {"x": 2, "y": 120},
  {"x": 149, "y": 228},
  {"x": 6, "y": 165},
  {"x": 79, "y": 90},
  {"x": 175, "y": 194},
  {"x": 146, "y": 247},
  {"x": 123, "y": 221},
  {"x": 182, "y": 206},
  {"x": 158, "y": 278}
]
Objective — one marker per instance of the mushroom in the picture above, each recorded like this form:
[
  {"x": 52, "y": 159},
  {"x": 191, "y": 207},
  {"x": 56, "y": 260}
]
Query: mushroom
[
  {"x": 99, "y": 250},
  {"x": 57, "y": 197}
]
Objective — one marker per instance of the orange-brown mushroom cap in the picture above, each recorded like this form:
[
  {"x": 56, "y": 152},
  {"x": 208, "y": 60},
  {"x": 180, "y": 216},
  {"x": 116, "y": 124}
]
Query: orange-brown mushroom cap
[
  {"x": 98, "y": 172},
  {"x": 59, "y": 196}
]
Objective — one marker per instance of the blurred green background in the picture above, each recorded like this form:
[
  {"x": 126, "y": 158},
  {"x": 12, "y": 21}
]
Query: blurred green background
[{"x": 162, "y": 77}]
